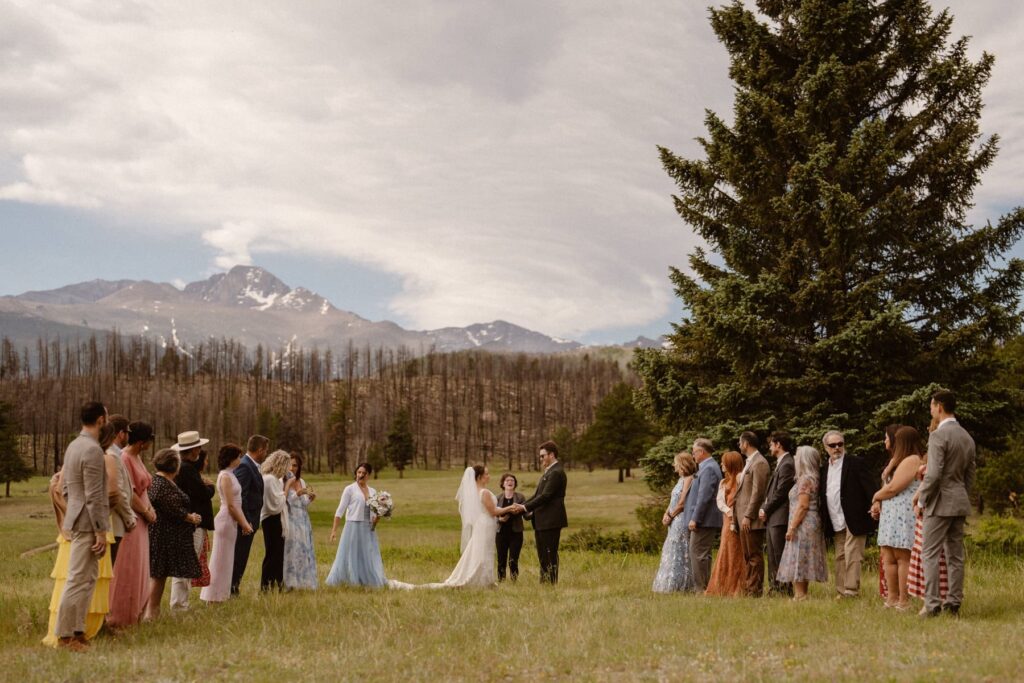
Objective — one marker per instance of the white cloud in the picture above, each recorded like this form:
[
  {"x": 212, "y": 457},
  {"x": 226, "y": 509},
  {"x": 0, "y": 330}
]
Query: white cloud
[{"x": 499, "y": 158}]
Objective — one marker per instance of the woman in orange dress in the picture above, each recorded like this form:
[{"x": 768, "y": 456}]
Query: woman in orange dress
[{"x": 730, "y": 568}]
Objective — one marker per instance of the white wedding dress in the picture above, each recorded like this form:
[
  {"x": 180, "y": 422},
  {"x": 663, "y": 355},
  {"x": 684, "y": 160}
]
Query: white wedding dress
[{"x": 476, "y": 566}]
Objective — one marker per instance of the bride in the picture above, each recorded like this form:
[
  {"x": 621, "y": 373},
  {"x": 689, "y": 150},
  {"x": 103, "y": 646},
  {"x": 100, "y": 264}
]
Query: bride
[{"x": 478, "y": 508}]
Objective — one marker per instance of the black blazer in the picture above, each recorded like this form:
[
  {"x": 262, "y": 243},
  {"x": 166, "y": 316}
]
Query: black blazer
[
  {"x": 548, "y": 502},
  {"x": 200, "y": 495},
  {"x": 251, "y": 481},
  {"x": 514, "y": 523},
  {"x": 776, "y": 502},
  {"x": 856, "y": 489}
]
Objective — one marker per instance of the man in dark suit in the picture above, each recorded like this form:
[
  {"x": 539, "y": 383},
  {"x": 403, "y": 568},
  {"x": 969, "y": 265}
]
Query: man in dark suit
[
  {"x": 251, "y": 481},
  {"x": 548, "y": 507},
  {"x": 775, "y": 511},
  {"x": 846, "y": 492},
  {"x": 944, "y": 503},
  {"x": 700, "y": 513}
]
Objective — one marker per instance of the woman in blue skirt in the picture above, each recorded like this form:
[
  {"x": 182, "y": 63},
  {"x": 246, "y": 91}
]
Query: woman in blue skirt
[{"x": 358, "y": 560}]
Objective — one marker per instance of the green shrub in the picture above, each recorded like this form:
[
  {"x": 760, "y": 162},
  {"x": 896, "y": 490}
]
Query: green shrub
[
  {"x": 998, "y": 534},
  {"x": 1001, "y": 481}
]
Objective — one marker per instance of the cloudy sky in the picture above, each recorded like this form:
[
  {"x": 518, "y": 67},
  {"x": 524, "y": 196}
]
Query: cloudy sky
[{"x": 432, "y": 162}]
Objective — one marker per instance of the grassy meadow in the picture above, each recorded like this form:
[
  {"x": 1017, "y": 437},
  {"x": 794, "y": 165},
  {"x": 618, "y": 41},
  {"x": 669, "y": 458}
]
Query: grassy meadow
[{"x": 600, "y": 623}]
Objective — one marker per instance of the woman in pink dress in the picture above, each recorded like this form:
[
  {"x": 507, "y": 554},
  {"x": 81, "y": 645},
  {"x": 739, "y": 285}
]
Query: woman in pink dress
[
  {"x": 227, "y": 524},
  {"x": 129, "y": 588}
]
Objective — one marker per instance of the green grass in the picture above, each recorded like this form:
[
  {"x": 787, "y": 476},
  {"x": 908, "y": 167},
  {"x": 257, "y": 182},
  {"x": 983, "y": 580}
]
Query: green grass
[{"x": 600, "y": 623}]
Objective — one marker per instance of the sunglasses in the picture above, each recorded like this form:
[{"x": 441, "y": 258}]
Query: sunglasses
[{"x": 837, "y": 444}]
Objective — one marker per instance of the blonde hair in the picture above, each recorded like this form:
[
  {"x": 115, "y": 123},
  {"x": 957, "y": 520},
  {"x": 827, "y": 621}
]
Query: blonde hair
[
  {"x": 277, "y": 463},
  {"x": 685, "y": 461}
]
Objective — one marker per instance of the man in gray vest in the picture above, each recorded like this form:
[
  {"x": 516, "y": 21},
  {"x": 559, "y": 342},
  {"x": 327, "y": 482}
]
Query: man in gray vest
[
  {"x": 87, "y": 521},
  {"x": 944, "y": 502}
]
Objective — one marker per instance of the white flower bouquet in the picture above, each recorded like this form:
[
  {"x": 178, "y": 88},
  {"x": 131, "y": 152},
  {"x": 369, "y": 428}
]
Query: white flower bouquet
[{"x": 381, "y": 504}]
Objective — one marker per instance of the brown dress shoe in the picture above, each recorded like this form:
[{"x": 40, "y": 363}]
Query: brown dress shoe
[{"x": 74, "y": 643}]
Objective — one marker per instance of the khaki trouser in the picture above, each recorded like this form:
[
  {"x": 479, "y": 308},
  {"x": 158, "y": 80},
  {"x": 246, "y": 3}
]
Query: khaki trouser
[
  {"x": 849, "y": 555},
  {"x": 83, "y": 569},
  {"x": 752, "y": 545},
  {"x": 180, "y": 587}
]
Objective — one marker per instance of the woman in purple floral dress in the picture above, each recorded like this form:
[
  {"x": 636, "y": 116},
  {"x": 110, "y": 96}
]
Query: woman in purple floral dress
[{"x": 803, "y": 559}]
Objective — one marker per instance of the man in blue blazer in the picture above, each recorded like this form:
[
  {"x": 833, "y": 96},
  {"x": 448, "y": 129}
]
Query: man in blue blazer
[
  {"x": 251, "y": 480},
  {"x": 701, "y": 513}
]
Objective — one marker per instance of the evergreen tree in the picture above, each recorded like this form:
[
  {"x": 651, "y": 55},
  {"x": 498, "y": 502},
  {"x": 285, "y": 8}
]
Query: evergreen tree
[
  {"x": 399, "y": 447},
  {"x": 12, "y": 467},
  {"x": 619, "y": 434},
  {"x": 845, "y": 277}
]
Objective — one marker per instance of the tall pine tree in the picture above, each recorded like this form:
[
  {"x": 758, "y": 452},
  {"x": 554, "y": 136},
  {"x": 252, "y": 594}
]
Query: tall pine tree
[{"x": 845, "y": 278}]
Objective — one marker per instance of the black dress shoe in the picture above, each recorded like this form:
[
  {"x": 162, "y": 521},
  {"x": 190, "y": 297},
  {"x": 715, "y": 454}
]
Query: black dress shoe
[
  {"x": 954, "y": 610},
  {"x": 929, "y": 613}
]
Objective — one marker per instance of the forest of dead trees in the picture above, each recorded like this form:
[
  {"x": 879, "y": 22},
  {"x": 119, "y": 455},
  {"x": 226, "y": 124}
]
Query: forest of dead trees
[{"x": 465, "y": 407}]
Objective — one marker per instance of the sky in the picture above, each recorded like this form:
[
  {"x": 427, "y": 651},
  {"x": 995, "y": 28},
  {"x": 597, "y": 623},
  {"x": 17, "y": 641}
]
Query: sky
[{"x": 434, "y": 163}]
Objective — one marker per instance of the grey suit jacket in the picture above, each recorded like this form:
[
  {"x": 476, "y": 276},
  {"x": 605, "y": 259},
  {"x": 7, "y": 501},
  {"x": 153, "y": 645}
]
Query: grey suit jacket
[
  {"x": 776, "y": 501},
  {"x": 85, "y": 478},
  {"x": 752, "y": 491},
  {"x": 123, "y": 515},
  {"x": 950, "y": 472}
]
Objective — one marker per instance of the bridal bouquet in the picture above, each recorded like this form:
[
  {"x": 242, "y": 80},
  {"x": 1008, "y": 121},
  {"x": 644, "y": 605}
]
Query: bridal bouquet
[{"x": 381, "y": 504}]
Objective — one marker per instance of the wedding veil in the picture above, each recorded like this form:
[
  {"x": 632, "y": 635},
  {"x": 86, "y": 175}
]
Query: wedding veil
[{"x": 470, "y": 506}]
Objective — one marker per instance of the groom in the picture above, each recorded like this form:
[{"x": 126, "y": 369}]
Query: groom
[{"x": 548, "y": 508}]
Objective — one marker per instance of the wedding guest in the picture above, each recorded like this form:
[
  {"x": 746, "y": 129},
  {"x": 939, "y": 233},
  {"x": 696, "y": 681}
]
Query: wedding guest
[
  {"x": 944, "y": 501},
  {"x": 200, "y": 501},
  {"x": 99, "y": 605},
  {"x": 675, "y": 572},
  {"x": 750, "y": 494},
  {"x": 700, "y": 514},
  {"x": 273, "y": 519},
  {"x": 299, "y": 558},
  {"x": 250, "y": 479},
  {"x": 171, "y": 549},
  {"x": 846, "y": 498},
  {"x": 915, "y": 575},
  {"x": 803, "y": 559},
  {"x": 119, "y": 525},
  {"x": 889, "y": 439},
  {"x": 509, "y": 537},
  {"x": 893, "y": 506},
  {"x": 87, "y": 522},
  {"x": 358, "y": 562},
  {"x": 129, "y": 588},
  {"x": 204, "y": 552},
  {"x": 228, "y": 523},
  {"x": 775, "y": 511},
  {"x": 122, "y": 517},
  {"x": 730, "y": 569}
]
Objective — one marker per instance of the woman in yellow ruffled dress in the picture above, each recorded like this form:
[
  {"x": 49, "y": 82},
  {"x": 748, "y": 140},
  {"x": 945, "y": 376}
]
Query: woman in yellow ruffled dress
[{"x": 100, "y": 604}]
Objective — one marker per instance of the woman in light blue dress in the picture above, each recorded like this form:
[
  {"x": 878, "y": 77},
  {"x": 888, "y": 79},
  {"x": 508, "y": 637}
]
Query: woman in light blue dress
[
  {"x": 674, "y": 573},
  {"x": 358, "y": 561},
  {"x": 893, "y": 507},
  {"x": 299, "y": 558}
]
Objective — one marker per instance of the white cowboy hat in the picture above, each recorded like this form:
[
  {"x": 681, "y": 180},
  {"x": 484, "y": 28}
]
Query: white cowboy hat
[{"x": 189, "y": 440}]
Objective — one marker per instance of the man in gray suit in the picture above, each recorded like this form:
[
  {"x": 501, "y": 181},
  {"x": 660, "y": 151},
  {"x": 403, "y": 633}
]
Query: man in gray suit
[
  {"x": 700, "y": 513},
  {"x": 749, "y": 498},
  {"x": 87, "y": 520},
  {"x": 944, "y": 502}
]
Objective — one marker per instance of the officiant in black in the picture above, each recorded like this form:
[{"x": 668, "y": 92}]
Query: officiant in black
[{"x": 509, "y": 538}]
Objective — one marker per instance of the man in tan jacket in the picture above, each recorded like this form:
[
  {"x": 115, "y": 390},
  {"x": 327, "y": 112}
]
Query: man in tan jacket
[
  {"x": 943, "y": 500},
  {"x": 749, "y": 499},
  {"x": 87, "y": 521}
]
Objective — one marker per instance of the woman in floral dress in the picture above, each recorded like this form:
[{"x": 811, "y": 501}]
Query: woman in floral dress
[{"x": 803, "y": 559}]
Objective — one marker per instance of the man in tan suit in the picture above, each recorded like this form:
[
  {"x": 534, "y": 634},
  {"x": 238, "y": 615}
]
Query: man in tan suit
[
  {"x": 87, "y": 520},
  {"x": 944, "y": 502},
  {"x": 749, "y": 499}
]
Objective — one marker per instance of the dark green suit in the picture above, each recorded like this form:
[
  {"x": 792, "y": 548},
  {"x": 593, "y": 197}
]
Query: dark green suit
[{"x": 549, "y": 518}]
